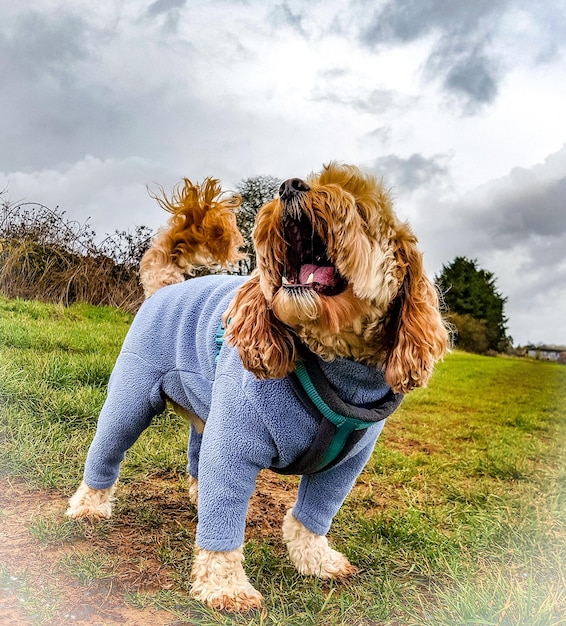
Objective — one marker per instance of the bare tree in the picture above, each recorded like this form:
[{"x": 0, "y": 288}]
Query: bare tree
[{"x": 255, "y": 192}]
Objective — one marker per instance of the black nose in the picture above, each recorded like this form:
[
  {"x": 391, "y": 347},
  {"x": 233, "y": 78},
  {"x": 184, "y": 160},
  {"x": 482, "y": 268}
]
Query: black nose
[{"x": 292, "y": 187}]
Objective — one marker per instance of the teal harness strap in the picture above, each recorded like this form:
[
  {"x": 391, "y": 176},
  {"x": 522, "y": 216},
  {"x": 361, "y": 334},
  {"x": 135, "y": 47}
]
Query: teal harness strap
[
  {"x": 336, "y": 440},
  {"x": 337, "y": 419},
  {"x": 218, "y": 340},
  {"x": 345, "y": 426}
]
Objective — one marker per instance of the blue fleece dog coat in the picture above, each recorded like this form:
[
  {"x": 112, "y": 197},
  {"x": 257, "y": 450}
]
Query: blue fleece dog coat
[{"x": 251, "y": 424}]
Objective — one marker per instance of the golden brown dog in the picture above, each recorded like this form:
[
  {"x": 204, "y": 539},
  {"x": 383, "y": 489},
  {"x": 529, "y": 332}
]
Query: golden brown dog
[{"x": 339, "y": 280}]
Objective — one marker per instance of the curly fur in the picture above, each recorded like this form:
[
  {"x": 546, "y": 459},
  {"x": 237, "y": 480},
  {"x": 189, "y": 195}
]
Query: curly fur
[
  {"x": 367, "y": 298},
  {"x": 201, "y": 231},
  {"x": 219, "y": 580},
  {"x": 388, "y": 315},
  {"x": 91, "y": 503},
  {"x": 310, "y": 554}
]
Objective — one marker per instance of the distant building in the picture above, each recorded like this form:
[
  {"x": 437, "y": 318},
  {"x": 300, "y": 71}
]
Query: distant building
[{"x": 547, "y": 353}]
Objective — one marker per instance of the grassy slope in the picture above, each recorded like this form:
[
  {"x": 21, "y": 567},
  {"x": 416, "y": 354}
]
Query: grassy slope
[{"x": 458, "y": 518}]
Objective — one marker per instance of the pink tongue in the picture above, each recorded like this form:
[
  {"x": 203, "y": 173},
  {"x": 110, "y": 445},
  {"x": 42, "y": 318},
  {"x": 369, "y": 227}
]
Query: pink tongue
[{"x": 322, "y": 275}]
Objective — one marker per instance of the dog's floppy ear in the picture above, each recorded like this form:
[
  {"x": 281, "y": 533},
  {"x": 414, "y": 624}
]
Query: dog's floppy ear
[
  {"x": 417, "y": 336},
  {"x": 266, "y": 346}
]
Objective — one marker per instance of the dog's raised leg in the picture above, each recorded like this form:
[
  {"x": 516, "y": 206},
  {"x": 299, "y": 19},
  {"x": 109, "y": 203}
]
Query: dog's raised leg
[
  {"x": 311, "y": 554},
  {"x": 91, "y": 503},
  {"x": 218, "y": 579}
]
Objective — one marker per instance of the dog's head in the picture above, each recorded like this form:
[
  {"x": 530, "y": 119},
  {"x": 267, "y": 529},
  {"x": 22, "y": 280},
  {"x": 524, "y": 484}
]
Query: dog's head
[{"x": 338, "y": 272}]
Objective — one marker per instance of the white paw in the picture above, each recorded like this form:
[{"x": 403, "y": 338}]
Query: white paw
[
  {"x": 218, "y": 579},
  {"x": 91, "y": 503},
  {"x": 311, "y": 554},
  {"x": 193, "y": 490}
]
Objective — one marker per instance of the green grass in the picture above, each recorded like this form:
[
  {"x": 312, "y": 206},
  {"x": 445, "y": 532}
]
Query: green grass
[
  {"x": 54, "y": 368},
  {"x": 91, "y": 566},
  {"x": 459, "y": 518},
  {"x": 38, "y": 603}
]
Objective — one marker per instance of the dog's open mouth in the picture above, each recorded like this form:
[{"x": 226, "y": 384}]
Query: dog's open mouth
[{"x": 308, "y": 265}]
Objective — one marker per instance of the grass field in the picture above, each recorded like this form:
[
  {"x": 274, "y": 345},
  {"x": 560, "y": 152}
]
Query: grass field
[{"x": 459, "y": 518}]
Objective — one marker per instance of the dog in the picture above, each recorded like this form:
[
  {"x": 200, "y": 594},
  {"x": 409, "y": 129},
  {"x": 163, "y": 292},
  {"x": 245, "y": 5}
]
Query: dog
[{"x": 294, "y": 368}]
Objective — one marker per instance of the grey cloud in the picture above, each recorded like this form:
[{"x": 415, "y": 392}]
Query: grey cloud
[
  {"x": 407, "y": 20},
  {"x": 376, "y": 101},
  {"x": 462, "y": 58},
  {"x": 516, "y": 226},
  {"x": 542, "y": 211},
  {"x": 75, "y": 88},
  {"x": 472, "y": 78},
  {"x": 34, "y": 46},
  {"x": 406, "y": 175},
  {"x": 468, "y": 71},
  {"x": 170, "y": 10},
  {"x": 334, "y": 73},
  {"x": 164, "y": 6},
  {"x": 282, "y": 14},
  {"x": 525, "y": 206},
  {"x": 381, "y": 134},
  {"x": 41, "y": 61}
]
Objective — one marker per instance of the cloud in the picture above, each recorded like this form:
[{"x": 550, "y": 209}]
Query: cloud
[
  {"x": 104, "y": 85},
  {"x": 407, "y": 20},
  {"x": 43, "y": 46},
  {"x": 525, "y": 206},
  {"x": 459, "y": 29},
  {"x": 169, "y": 9},
  {"x": 164, "y": 6},
  {"x": 515, "y": 227},
  {"x": 461, "y": 57},
  {"x": 283, "y": 15},
  {"x": 415, "y": 172},
  {"x": 52, "y": 99},
  {"x": 469, "y": 72},
  {"x": 111, "y": 194},
  {"x": 374, "y": 101},
  {"x": 473, "y": 44}
]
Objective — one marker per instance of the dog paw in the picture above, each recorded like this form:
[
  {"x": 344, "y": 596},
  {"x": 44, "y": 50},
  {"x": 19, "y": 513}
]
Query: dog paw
[
  {"x": 242, "y": 601},
  {"x": 310, "y": 554},
  {"x": 193, "y": 490},
  {"x": 89, "y": 503},
  {"x": 327, "y": 563},
  {"x": 219, "y": 581}
]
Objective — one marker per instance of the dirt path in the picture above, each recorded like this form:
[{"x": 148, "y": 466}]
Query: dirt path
[{"x": 36, "y": 589}]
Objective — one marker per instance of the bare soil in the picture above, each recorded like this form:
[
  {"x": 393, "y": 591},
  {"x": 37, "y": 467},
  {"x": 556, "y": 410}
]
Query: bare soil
[{"x": 36, "y": 575}]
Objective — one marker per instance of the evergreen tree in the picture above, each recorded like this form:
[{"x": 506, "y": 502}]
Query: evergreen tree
[
  {"x": 255, "y": 192},
  {"x": 476, "y": 307}
]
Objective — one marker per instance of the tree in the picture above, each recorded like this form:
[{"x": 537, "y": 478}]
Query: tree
[
  {"x": 255, "y": 192},
  {"x": 475, "y": 305}
]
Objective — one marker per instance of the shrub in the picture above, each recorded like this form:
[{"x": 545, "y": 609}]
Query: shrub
[
  {"x": 45, "y": 256},
  {"x": 471, "y": 334}
]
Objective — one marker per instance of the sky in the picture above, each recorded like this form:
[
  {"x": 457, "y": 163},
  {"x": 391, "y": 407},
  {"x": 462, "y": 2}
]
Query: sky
[{"x": 459, "y": 105}]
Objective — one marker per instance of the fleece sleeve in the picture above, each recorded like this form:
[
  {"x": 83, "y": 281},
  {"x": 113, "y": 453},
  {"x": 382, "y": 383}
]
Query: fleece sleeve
[
  {"x": 133, "y": 400},
  {"x": 235, "y": 446},
  {"x": 321, "y": 495}
]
